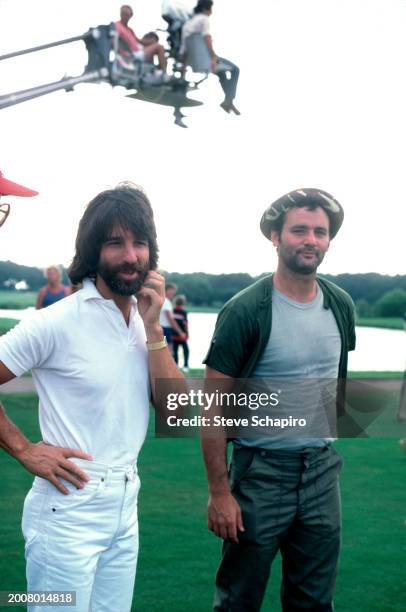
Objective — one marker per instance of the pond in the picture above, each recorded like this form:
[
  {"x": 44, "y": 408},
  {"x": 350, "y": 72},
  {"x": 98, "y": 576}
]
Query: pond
[{"x": 377, "y": 349}]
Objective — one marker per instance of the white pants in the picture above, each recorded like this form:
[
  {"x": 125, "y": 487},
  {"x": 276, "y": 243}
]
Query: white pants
[{"x": 86, "y": 541}]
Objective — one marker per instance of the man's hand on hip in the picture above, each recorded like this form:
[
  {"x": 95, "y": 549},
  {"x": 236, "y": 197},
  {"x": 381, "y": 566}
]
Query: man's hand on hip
[
  {"x": 52, "y": 463},
  {"x": 224, "y": 516}
]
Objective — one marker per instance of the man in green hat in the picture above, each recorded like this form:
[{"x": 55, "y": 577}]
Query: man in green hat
[{"x": 281, "y": 493}]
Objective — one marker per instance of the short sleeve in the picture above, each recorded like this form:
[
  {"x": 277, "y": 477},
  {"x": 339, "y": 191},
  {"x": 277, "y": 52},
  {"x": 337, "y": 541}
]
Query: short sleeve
[
  {"x": 28, "y": 345},
  {"x": 167, "y": 306},
  {"x": 231, "y": 345},
  {"x": 205, "y": 25}
]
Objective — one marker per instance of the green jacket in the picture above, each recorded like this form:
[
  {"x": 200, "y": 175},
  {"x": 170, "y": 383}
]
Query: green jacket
[{"x": 244, "y": 325}]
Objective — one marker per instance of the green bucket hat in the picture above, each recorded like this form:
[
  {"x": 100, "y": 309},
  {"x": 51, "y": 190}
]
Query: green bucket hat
[{"x": 301, "y": 197}]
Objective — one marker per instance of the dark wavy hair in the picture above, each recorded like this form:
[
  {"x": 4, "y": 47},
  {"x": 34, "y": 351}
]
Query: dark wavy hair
[
  {"x": 127, "y": 207},
  {"x": 203, "y": 5}
]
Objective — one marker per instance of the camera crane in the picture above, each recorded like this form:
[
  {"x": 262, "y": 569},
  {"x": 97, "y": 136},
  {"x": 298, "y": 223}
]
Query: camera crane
[{"x": 105, "y": 64}]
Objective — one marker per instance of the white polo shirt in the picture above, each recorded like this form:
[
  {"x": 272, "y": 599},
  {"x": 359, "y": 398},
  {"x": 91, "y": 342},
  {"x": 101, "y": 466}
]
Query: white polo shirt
[
  {"x": 163, "y": 316},
  {"x": 91, "y": 374}
]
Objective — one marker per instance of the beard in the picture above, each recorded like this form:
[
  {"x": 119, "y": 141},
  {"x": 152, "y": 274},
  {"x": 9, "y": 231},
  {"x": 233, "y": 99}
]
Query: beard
[
  {"x": 110, "y": 275},
  {"x": 294, "y": 261}
]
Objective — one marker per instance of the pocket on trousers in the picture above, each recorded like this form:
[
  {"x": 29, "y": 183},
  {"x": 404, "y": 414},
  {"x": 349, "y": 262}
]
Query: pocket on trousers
[
  {"x": 77, "y": 499},
  {"x": 337, "y": 458},
  {"x": 137, "y": 486},
  {"x": 241, "y": 462},
  {"x": 35, "y": 505}
]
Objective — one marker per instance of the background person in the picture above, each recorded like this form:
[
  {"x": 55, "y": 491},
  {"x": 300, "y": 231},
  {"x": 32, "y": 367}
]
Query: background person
[
  {"x": 166, "y": 318},
  {"x": 227, "y": 72},
  {"x": 53, "y": 291},
  {"x": 150, "y": 37},
  {"x": 142, "y": 49},
  {"x": 180, "y": 316}
]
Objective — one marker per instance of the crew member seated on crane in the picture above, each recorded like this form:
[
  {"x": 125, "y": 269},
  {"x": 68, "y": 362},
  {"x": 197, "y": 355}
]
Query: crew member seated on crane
[
  {"x": 175, "y": 13},
  {"x": 227, "y": 72},
  {"x": 141, "y": 49}
]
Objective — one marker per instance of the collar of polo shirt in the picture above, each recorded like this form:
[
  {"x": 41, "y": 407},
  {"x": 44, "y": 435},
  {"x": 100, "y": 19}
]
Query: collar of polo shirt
[{"x": 90, "y": 292}]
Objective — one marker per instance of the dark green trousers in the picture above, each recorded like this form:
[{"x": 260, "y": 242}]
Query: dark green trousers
[{"x": 290, "y": 502}]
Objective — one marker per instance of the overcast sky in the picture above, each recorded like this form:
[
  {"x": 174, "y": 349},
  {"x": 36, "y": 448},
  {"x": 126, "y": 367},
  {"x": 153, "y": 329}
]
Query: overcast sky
[{"x": 323, "y": 98}]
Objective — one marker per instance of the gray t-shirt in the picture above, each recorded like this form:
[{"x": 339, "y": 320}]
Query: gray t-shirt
[{"x": 304, "y": 351}]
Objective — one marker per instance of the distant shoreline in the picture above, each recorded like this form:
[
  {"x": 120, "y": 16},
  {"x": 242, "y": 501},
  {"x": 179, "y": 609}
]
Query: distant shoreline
[{"x": 6, "y": 323}]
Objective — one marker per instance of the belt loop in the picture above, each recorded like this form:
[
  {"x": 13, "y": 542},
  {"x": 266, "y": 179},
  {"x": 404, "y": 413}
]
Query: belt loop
[{"x": 129, "y": 473}]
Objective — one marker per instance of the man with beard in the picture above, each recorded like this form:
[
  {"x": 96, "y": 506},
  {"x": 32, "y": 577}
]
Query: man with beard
[
  {"x": 282, "y": 491},
  {"x": 94, "y": 358}
]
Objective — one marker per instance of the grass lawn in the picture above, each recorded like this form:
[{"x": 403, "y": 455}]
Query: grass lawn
[
  {"x": 17, "y": 299},
  {"x": 7, "y": 324},
  {"x": 178, "y": 556}
]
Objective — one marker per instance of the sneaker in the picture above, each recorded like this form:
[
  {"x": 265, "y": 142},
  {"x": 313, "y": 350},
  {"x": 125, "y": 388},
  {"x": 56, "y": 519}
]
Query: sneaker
[
  {"x": 179, "y": 122},
  {"x": 229, "y": 107},
  {"x": 234, "y": 109},
  {"x": 186, "y": 370}
]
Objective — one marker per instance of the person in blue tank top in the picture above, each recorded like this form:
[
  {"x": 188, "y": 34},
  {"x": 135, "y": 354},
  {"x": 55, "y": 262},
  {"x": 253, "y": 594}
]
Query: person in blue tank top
[{"x": 53, "y": 291}]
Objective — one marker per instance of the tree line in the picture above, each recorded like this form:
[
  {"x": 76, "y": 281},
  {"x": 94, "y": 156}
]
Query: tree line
[{"x": 374, "y": 294}]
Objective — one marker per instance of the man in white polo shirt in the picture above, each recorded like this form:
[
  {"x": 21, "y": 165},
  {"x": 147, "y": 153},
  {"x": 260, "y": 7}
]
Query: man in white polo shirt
[{"x": 94, "y": 358}]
